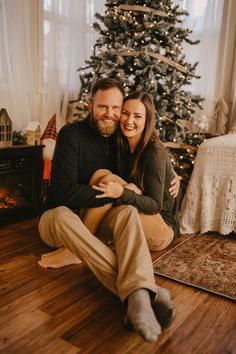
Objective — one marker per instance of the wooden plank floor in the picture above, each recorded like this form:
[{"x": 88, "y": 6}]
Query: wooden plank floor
[{"x": 66, "y": 311}]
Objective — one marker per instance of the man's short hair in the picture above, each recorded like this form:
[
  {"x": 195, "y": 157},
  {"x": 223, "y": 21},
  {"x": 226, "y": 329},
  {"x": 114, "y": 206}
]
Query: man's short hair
[{"x": 106, "y": 84}]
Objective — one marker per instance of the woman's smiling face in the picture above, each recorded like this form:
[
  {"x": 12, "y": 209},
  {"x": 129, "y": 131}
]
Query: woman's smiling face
[{"x": 133, "y": 120}]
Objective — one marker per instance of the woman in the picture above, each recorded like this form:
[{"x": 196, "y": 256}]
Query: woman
[{"x": 145, "y": 174}]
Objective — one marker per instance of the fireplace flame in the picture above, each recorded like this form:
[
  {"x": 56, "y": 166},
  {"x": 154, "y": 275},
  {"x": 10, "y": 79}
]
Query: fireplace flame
[{"x": 7, "y": 200}]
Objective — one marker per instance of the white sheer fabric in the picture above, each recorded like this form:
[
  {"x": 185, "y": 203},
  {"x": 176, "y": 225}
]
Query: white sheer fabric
[
  {"x": 232, "y": 123},
  {"x": 209, "y": 203},
  {"x": 17, "y": 70},
  {"x": 207, "y": 29},
  {"x": 68, "y": 41},
  {"x": 213, "y": 23},
  {"x": 43, "y": 43}
]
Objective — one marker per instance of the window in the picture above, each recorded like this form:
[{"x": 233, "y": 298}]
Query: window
[
  {"x": 54, "y": 26},
  {"x": 4, "y": 51},
  {"x": 67, "y": 36},
  {"x": 197, "y": 11}
]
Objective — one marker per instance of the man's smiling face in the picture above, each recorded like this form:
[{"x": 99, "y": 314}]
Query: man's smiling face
[{"x": 106, "y": 110}]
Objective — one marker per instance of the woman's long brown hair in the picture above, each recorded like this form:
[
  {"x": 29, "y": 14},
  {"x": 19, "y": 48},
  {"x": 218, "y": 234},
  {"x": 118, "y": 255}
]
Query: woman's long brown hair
[{"x": 149, "y": 137}]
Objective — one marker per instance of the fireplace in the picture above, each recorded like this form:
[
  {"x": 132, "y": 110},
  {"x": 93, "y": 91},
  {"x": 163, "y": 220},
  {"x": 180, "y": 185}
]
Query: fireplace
[{"x": 20, "y": 182}]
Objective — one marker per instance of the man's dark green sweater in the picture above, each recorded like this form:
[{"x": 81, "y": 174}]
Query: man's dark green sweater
[{"x": 80, "y": 151}]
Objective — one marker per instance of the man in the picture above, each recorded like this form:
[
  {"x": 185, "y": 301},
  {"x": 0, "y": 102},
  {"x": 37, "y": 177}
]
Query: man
[{"x": 82, "y": 148}]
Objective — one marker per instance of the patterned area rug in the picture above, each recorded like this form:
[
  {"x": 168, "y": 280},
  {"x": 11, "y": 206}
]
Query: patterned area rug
[{"x": 206, "y": 261}]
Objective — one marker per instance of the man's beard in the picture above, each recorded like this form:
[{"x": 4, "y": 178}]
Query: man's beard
[{"x": 103, "y": 130}]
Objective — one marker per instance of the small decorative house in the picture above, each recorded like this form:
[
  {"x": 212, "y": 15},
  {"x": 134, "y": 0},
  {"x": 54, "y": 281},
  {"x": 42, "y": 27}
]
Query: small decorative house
[
  {"x": 5, "y": 129},
  {"x": 33, "y": 132}
]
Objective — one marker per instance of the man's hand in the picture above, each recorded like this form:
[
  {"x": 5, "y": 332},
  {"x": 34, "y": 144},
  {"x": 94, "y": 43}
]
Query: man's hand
[{"x": 174, "y": 186}]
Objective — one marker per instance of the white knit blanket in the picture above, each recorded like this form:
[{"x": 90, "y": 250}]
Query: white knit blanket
[{"x": 210, "y": 200}]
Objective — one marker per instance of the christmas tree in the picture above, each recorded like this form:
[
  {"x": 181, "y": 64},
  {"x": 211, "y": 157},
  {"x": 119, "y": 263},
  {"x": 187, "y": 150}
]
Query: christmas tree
[{"x": 140, "y": 45}]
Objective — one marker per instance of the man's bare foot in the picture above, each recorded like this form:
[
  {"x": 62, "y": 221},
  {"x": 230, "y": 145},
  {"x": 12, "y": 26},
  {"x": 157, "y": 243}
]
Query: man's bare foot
[
  {"x": 58, "y": 259},
  {"x": 52, "y": 253}
]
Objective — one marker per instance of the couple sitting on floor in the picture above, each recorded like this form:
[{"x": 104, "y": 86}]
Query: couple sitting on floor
[{"x": 114, "y": 185}]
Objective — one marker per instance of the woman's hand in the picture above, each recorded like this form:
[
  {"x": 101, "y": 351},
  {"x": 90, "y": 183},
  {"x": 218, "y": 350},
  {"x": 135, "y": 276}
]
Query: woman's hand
[{"x": 109, "y": 190}]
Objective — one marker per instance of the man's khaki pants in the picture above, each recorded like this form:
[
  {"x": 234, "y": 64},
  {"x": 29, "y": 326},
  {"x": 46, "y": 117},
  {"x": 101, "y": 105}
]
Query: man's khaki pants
[{"x": 123, "y": 270}]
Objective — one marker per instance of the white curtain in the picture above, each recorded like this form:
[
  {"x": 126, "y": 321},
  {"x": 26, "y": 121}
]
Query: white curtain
[
  {"x": 214, "y": 23},
  {"x": 17, "y": 62},
  {"x": 42, "y": 44},
  {"x": 232, "y": 122},
  {"x": 67, "y": 41}
]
